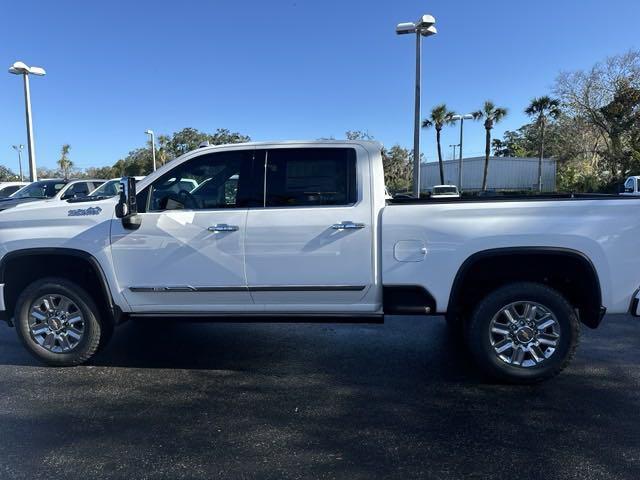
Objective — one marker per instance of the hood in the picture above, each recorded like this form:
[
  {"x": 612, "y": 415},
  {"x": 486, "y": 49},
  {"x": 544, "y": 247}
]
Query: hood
[
  {"x": 9, "y": 202},
  {"x": 57, "y": 224},
  {"x": 52, "y": 211}
]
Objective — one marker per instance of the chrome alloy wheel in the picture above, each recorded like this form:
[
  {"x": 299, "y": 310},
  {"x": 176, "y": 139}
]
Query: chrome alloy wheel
[
  {"x": 524, "y": 334},
  {"x": 56, "y": 323}
]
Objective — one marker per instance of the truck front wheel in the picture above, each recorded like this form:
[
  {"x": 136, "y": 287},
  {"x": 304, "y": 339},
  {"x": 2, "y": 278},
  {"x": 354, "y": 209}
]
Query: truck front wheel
[
  {"x": 523, "y": 333},
  {"x": 58, "y": 322}
]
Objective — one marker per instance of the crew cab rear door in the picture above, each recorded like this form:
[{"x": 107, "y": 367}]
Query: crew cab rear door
[
  {"x": 309, "y": 248},
  {"x": 188, "y": 254}
]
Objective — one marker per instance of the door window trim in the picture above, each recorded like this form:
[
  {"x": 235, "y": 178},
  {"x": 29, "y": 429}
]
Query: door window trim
[
  {"x": 254, "y": 169},
  {"x": 356, "y": 173},
  {"x": 149, "y": 188}
]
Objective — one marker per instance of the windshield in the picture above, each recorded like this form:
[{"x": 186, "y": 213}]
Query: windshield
[
  {"x": 108, "y": 189},
  {"x": 42, "y": 189}
]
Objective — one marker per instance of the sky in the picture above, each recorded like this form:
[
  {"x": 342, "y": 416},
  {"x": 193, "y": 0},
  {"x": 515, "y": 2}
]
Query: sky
[{"x": 284, "y": 69}]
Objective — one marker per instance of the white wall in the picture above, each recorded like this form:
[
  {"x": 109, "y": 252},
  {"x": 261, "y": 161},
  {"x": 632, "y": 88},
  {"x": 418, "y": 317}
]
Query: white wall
[{"x": 505, "y": 173}]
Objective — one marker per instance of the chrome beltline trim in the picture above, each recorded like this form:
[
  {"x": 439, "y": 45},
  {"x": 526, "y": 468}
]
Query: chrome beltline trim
[{"x": 258, "y": 288}]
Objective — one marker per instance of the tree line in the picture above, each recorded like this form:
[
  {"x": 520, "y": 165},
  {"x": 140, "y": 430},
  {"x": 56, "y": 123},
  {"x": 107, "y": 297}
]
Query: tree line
[{"x": 589, "y": 122}]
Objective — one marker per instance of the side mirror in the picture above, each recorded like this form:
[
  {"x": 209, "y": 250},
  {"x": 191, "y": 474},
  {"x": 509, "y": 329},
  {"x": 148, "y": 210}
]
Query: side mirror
[{"x": 127, "y": 208}]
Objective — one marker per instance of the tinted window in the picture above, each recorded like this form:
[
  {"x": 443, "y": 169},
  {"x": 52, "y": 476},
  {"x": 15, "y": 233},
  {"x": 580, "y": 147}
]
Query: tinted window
[
  {"x": 41, "y": 189},
  {"x": 108, "y": 189},
  {"x": 310, "y": 176},
  {"x": 216, "y": 180},
  {"x": 80, "y": 189},
  {"x": 6, "y": 191}
]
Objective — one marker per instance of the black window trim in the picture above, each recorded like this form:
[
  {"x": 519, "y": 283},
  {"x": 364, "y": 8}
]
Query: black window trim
[
  {"x": 356, "y": 172},
  {"x": 260, "y": 168},
  {"x": 147, "y": 190}
]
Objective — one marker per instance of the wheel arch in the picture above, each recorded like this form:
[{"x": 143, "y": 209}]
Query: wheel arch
[
  {"x": 26, "y": 265},
  {"x": 569, "y": 271}
]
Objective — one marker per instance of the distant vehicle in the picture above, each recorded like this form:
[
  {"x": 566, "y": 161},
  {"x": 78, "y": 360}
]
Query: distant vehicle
[
  {"x": 8, "y": 188},
  {"x": 445, "y": 191},
  {"x": 54, "y": 189},
  {"x": 632, "y": 186},
  {"x": 108, "y": 189}
]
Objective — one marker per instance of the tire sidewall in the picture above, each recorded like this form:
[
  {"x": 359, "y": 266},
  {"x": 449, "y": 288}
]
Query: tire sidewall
[
  {"x": 91, "y": 337},
  {"x": 479, "y": 332}
]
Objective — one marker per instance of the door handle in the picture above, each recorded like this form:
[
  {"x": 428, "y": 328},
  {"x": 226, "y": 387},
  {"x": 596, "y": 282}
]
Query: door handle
[
  {"x": 223, "y": 227},
  {"x": 347, "y": 226}
]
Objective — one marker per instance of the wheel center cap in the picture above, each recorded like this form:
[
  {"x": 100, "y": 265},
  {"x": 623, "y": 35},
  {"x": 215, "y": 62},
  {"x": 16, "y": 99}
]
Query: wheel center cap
[
  {"x": 54, "y": 323},
  {"x": 525, "y": 334}
]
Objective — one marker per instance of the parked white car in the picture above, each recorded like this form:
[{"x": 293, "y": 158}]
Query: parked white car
[
  {"x": 110, "y": 188},
  {"x": 303, "y": 229},
  {"x": 8, "y": 188},
  {"x": 50, "y": 190},
  {"x": 445, "y": 191}
]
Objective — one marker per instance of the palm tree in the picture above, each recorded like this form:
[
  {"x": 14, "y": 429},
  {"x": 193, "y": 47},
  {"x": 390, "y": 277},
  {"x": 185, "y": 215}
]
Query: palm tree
[
  {"x": 162, "y": 153},
  {"x": 543, "y": 108},
  {"x": 439, "y": 117},
  {"x": 491, "y": 115},
  {"x": 65, "y": 162}
]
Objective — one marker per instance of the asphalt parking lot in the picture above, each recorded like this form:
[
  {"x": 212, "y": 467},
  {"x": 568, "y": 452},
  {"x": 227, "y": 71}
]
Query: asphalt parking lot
[{"x": 397, "y": 400}]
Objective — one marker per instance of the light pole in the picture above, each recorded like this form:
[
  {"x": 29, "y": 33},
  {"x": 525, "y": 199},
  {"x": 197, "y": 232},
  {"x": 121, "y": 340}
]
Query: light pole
[
  {"x": 424, "y": 27},
  {"x": 153, "y": 147},
  {"x": 19, "y": 68},
  {"x": 462, "y": 118},
  {"x": 18, "y": 148},
  {"x": 455, "y": 145}
]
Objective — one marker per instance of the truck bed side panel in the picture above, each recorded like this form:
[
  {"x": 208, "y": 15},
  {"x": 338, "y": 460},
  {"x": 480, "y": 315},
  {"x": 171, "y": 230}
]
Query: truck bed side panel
[{"x": 607, "y": 232}]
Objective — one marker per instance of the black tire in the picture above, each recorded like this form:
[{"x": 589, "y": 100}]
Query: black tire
[
  {"x": 478, "y": 333},
  {"x": 88, "y": 344},
  {"x": 107, "y": 329}
]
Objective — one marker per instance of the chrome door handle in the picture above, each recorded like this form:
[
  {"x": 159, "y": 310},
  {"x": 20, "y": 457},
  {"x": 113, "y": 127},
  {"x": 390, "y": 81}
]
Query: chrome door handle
[
  {"x": 223, "y": 227},
  {"x": 347, "y": 226}
]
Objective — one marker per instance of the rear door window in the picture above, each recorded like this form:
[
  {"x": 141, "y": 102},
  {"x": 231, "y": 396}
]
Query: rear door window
[{"x": 303, "y": 177}]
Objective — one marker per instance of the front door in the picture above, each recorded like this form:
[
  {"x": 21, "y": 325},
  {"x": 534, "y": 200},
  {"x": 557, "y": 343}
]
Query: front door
[
  {"x": 188, "y": 254},
  {"x": 309, "y": 249}
]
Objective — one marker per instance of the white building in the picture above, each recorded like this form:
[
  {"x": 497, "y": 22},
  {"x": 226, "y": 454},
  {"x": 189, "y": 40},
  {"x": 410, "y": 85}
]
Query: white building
[{"x": 505, "y": 173}]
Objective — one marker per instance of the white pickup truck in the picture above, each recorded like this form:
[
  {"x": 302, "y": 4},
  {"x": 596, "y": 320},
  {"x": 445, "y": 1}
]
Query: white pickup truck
[{"x": 303, "y": 230}]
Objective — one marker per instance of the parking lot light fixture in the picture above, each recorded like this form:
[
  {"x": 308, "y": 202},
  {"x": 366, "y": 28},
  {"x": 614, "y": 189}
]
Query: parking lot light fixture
[
  {"x": 20, "y": 68},
  {"x": 153, "y": 147},
  {"x": 424, "y": 27},
  {"x": 462, "y": 118},
  {"x": 18, "y": 148}
]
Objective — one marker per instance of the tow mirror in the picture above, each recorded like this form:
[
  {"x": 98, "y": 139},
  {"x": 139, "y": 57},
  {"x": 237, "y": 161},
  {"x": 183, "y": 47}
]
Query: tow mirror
[{"x": 127, "y": 208}]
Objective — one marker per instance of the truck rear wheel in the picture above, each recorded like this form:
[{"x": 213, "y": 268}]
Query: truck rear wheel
[
  {"x": 523, "y": 333},
  {"x": 58, "y": 322}
]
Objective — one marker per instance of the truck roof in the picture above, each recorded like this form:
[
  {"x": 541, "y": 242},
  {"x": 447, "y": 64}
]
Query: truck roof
[{"x": 369, "y": 143}]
